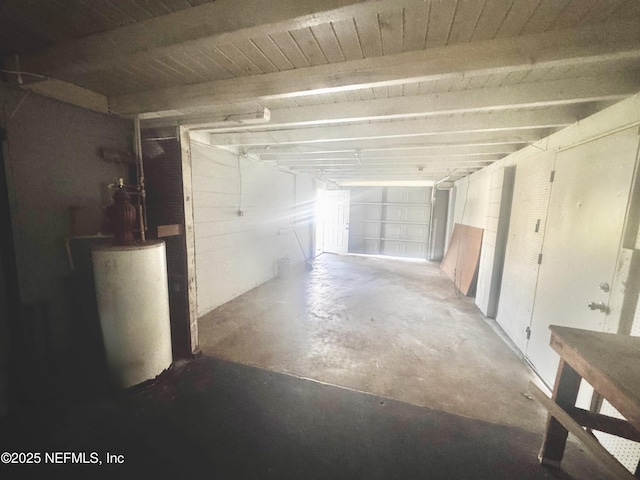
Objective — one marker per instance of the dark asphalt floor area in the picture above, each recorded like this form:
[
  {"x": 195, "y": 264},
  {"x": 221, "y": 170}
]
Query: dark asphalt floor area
[{"x": 215, "y": 419}]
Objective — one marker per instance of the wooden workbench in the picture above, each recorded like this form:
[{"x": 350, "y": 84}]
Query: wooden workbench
[{"x": 611, "y": 364}]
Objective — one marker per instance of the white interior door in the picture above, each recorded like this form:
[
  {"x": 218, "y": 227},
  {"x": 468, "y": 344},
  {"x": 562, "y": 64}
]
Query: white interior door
[
  {"x": 584, "y": 226},
  {"x": 532, "y": 190},
  {"x": 336, "y": 221}
]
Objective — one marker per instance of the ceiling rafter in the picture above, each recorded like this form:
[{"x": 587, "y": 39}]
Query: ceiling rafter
[
  {"x": 567, "y": 47},
  {"x": 507, "y": 97},
  {"x": 481, "y": 122},
  {"x": 221, "y": 21},
  {"x": 515, "y": 138},
  {"x": 396, "y": 90},
  {"x": 479, "y": 151}
]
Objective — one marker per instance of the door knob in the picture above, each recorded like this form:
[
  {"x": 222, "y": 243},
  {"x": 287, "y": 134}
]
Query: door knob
[{"x": 598, "y": 306}]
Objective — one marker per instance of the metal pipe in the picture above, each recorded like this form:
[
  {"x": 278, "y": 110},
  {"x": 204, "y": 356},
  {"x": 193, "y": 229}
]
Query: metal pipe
[{"x": 138, "y": 151}]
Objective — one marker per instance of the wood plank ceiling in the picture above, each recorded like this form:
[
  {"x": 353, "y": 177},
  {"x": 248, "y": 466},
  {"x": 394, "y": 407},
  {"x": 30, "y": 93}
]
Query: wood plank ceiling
[{"x": 350, "y": 91}]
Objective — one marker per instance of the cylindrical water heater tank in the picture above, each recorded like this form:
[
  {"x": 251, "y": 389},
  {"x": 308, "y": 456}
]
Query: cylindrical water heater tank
[{"x": 133, "y": 306}]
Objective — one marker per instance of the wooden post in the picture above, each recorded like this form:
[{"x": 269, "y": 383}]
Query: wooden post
[{"x": 565, "y": 393}]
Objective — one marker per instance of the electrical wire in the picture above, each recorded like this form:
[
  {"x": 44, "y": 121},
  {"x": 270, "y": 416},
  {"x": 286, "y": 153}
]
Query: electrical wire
[
  {"x": 20, "y": 72},
  {"x": 19, "y": 104}
]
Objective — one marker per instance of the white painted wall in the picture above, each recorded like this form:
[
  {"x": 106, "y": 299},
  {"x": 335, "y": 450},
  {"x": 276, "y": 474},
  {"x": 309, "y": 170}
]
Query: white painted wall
[
  {"x": 476, "y": 205},
  {"x": 520, "y": 281},
  {"x": 237, "y": 253},
  {"x": 477, "y": 197},
  {"x": 472, "y": 199}
]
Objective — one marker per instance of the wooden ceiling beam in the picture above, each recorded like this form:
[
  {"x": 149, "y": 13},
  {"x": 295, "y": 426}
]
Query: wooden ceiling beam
[
  {"x": 222, "y": 21},
  {"x": 384, "y": 161},
  {"x": 392, "y": 166},
  {"x": 514, "y": 138},
  {"x": 392, "y": 174},
  {"x": 615, "y": 86},
  {"x": 423, "y": 152},
  {"x": 597, "y": 43},
  {"x": 481, "y": 122},
  {"x": 72, "y": 94}
]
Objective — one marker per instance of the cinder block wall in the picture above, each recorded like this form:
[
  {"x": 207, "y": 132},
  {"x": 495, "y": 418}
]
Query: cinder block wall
[
  {"x": 481, "y": 192},
  {"x": 235, "y": 253}
]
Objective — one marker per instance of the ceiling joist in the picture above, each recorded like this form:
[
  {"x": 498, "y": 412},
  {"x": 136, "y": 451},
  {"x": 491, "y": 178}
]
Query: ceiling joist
[
  {"x": 222, "y": 21},
  {"x": 581, "y": 46},
  {"x": 481, "y": 122},
  {"x": 423, "y": 152},
  {"x": 507, "y": 97},
  {"x": 515, "y": 138},
  {"x": 358, "y": 90}
]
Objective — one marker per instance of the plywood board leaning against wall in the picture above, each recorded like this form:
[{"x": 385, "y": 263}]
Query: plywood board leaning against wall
[{"x": 460, "y": 262}]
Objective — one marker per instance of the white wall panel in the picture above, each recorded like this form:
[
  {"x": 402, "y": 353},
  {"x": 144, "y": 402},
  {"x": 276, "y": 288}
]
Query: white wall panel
[
  {"x": 533, "y": 165},
  {"x": 478, "y": 202},
  {"x": 472, "y": 199},
  {"x": 474, "y": 203},
  {"x": 236, "y": 253},
  {"x": 494, "y": 179},
  {"x": 492, "y": 259},
  {"x": 473, "y": 206}
]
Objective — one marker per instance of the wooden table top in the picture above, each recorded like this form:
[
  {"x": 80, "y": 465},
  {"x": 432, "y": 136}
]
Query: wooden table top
[{"x": 609, "y": 362}]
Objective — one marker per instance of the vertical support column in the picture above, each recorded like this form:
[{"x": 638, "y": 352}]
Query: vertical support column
[
  {"x": 565, "y": 393},
  {"x": 185, "y": 145}
]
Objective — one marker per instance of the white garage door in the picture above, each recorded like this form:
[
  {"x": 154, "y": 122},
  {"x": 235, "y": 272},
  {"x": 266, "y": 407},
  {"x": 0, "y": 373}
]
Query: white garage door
[{"x": 390, "y": 221}]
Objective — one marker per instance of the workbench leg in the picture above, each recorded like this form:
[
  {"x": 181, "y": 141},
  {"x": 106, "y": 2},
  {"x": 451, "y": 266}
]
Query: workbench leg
[{"x": 565, "y": 393}]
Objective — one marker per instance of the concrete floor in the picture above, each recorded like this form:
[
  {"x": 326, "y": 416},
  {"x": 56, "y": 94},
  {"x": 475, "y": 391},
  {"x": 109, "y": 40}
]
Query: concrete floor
[
  {"x": 362, "y": 323},
  {"x": 388, "y": 327}
]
